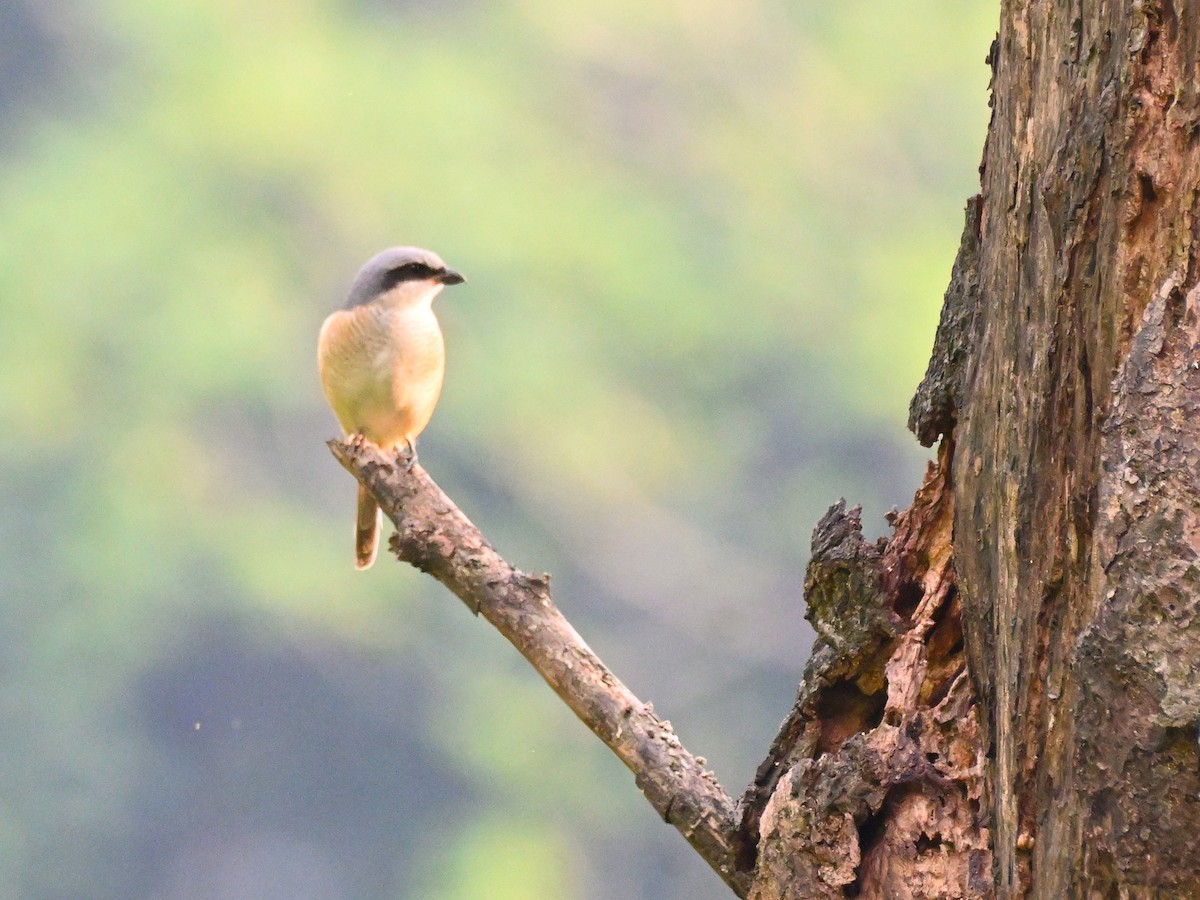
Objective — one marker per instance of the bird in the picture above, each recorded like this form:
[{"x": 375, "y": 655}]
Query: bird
[{"x": 382, "y": 358}]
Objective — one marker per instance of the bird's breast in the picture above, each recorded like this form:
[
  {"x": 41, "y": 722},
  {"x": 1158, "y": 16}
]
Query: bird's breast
[{"x": 382, "y": 369}]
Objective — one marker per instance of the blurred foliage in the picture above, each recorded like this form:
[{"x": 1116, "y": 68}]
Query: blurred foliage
[{"x": 706, "y": 246}]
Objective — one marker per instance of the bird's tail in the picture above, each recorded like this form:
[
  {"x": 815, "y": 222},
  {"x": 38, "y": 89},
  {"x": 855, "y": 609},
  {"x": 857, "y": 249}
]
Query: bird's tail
[{"x": 366, "y": 529}]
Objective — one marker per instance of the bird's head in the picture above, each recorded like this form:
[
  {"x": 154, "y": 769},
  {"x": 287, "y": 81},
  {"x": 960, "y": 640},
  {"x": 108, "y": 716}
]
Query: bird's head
[{"x": 401, "y": 272}]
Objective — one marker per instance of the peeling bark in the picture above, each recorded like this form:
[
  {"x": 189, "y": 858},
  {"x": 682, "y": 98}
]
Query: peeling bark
[
  {"x": 934, "y": 408},
  {"x": 874, "y": 785}
]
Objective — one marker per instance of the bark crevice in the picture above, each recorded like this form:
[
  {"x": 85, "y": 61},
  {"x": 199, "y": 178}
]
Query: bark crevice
[{"x": 874, "y": 785}]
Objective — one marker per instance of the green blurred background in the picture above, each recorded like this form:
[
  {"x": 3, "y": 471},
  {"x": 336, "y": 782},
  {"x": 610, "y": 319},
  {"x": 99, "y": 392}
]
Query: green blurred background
[{"x": 706, "y": 245}]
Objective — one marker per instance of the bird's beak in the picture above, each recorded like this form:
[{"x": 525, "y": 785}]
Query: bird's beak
[{"x": 449, "y": 276}]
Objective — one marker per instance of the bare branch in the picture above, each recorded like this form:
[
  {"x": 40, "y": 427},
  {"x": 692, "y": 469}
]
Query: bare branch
[{"x": 434, "y": 536}]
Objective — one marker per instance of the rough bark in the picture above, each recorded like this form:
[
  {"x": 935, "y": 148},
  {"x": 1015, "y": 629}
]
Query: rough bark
[
  {"x": 1075, "y": 472},
  {"x": 1065, "y": 384},
  {"x": 874, "y": 785}
]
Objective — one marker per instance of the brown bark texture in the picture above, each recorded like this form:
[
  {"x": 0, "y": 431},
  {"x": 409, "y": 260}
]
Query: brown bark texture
[
  {"x": 1066, "y": 374},
  {"x": 1065, "y": 387},
  {"x": 874, "y": 786}
]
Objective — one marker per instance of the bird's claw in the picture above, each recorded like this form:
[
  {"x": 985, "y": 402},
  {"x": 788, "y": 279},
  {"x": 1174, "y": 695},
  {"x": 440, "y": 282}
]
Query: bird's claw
[{"x": 408, "y": 456}]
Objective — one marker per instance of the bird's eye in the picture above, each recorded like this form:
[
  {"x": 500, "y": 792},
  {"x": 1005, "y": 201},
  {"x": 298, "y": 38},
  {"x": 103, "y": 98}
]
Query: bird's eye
[
  {"x": 410, "y": 271},
  {"x": 414, "y": 270}
]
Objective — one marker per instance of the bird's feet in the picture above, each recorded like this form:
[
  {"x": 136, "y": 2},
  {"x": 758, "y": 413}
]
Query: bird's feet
[
  {"x": 356, "y": 440},
  {"x": 408, "y": 455}
]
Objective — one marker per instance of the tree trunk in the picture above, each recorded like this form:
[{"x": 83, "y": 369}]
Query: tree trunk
[{"x": 1004, "y": 696}]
